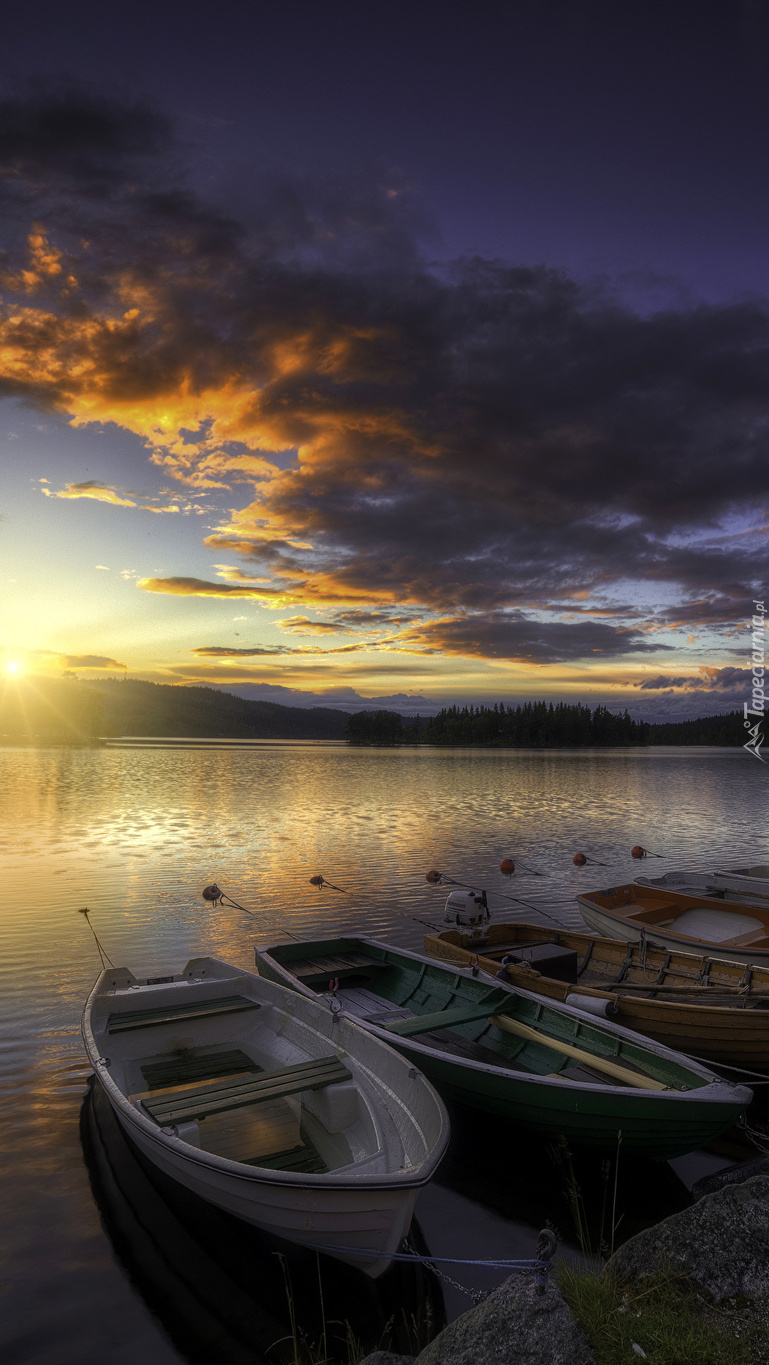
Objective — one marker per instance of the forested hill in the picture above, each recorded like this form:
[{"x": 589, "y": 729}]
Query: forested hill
[
  {"x": 65, "y": 710},
  {"x": 55, "y": 710},
  {"x": 538, "y": 725}
]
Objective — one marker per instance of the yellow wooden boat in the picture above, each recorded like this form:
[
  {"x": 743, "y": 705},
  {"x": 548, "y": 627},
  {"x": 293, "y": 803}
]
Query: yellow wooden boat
[
  {"x": 700, "y": 1005},
  {"x": 689, "y": 922}
]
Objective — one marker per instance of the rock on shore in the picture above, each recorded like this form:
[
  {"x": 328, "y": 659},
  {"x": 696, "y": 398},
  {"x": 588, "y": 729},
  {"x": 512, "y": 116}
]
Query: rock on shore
[
  {"x": 513, "y": 1326},
  {"x": 721, "y": 1244}
]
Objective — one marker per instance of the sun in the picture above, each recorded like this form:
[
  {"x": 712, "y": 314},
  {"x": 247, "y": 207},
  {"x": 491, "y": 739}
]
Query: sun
[{"x": 13, "y": 666}]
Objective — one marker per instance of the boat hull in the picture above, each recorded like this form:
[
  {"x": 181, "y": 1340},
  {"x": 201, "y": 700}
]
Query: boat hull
[
  {"x": 358, "y": 1213},
  {"x": 749, "y": 885},
  {"x": 614, "y": 926},
  {"x": 729, "y": 1034},
  {"x": 361, "y": 1220},
  {"x": 661, "y": 1125}
]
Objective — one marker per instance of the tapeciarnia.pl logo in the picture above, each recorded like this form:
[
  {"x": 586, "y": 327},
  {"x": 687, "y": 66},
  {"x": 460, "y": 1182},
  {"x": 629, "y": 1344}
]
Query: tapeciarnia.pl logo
[{"x": 757, "y": 704}]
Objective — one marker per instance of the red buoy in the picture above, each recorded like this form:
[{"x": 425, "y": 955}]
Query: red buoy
[
  {"x": 579, "y": 860},
  {"x": 638, "y": 852},
  {"x": 507, "y": 866},
  {"x": 432, "y": 876},
  {"x": 316, "y": 881},
  {"x": 212, "y": 893}
]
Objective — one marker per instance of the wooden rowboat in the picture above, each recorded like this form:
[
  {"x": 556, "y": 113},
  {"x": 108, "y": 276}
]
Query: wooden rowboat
[
  {"x": 703, "y": 1006},
  {"x": 267, "y": 1105},
  {"x": 735, "y": 930},
  {"x": 543, "y": 1065},
  {"x": 741, "y": 884}
]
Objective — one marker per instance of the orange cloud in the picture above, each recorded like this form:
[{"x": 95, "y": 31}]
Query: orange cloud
[
  {"x": 302, "y": 625},
  {"x": 198, "y": 587},
  {"x": 43, "y": 265},
  {"x": 98, "y": 492},
  {"x": 231, "y": 652},
  {"x": 102, "y": 492}
]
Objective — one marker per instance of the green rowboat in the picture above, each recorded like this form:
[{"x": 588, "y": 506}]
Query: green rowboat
[{"x": 541, "y": 1064}]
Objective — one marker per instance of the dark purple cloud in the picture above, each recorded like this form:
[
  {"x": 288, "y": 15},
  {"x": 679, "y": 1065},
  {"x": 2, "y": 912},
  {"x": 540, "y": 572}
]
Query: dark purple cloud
[
  {"x": 499, "y": 636},
  {"x": 476, "y": 442},
  {"x": 734, "y": 681}
]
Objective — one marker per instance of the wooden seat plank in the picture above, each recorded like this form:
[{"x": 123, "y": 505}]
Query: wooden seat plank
[
  {"x": 266, "y": 1082},
  {"x": 305, "y": 1159},
  {"x": 126, "y": 1020},
  {"x": 185, "y": 1068},
  {"x": 196, "y": 1102},
  {"x": 334, "y": 966}
]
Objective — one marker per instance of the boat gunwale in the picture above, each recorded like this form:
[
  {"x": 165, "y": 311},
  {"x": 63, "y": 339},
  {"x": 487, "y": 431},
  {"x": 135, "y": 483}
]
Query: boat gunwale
[{"x": 616, "y": 992}]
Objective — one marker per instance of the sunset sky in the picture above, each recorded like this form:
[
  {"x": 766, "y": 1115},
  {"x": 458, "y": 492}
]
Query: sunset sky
[{"x": 387, "y": 354}]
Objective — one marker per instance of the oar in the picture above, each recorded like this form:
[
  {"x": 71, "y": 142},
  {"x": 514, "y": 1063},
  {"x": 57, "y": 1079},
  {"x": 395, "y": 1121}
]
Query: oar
[{"x": 620, "y": 1073}]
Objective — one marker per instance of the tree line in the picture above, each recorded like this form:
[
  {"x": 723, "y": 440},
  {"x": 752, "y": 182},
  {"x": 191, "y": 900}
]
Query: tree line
[
  {"x": 71, "y": 711},
  {"x": 538, "y": 725}
]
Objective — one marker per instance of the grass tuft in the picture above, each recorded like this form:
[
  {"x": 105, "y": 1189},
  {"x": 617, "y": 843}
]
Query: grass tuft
[{"x": 668, "y": 1320}]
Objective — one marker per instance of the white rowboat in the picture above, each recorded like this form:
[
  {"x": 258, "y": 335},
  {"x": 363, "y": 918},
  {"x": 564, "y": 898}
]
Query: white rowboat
[
  {"x": 268, "y": 1105},
  {"x": 748, "y": 885}
]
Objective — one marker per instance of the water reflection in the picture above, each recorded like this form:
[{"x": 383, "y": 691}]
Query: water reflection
[
  {"x": 217, "y": 1285},
  {"x": 136, "y": 834}
]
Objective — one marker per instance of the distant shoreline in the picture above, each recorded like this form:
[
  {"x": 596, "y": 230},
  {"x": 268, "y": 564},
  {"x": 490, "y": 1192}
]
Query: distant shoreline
[
  {"x": 173, "y": 743},
  {"x": 43, "y": 712}
]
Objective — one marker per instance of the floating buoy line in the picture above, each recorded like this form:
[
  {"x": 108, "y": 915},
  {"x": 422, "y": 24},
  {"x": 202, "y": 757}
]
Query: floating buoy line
[
  {"x": 465, "y": 912},
  {"x": 437, "y": 878},
  {"x": 638, "y": 851},
  {"x": 215, "y": 896}
]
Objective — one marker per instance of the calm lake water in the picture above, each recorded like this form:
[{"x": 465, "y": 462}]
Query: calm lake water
[{"x": 134, "y": 834}]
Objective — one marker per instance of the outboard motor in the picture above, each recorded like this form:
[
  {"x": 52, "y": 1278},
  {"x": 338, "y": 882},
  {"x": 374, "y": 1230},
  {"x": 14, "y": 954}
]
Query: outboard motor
[{"x": 468, "y": 910}]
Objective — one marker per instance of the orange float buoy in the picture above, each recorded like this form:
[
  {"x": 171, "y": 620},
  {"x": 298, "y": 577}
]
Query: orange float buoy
[
  {"x": 507, "y": 866},
  {"x": 579, "y": 860},
  {"x": 638, "y": 852},
  {"x": 316, "y": 881},
  {"x": 432, "y": 876},
  {"x": 212, "y": 893}
]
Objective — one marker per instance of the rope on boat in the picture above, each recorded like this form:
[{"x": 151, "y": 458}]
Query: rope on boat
[
  {"x": 103, "y": 954},
  {"x": 539, "y": 1265},
  {"x": 761, "y": 1077}
]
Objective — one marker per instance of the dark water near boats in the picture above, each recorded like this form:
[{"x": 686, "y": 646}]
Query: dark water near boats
[{"x": 134, "y": 835}]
